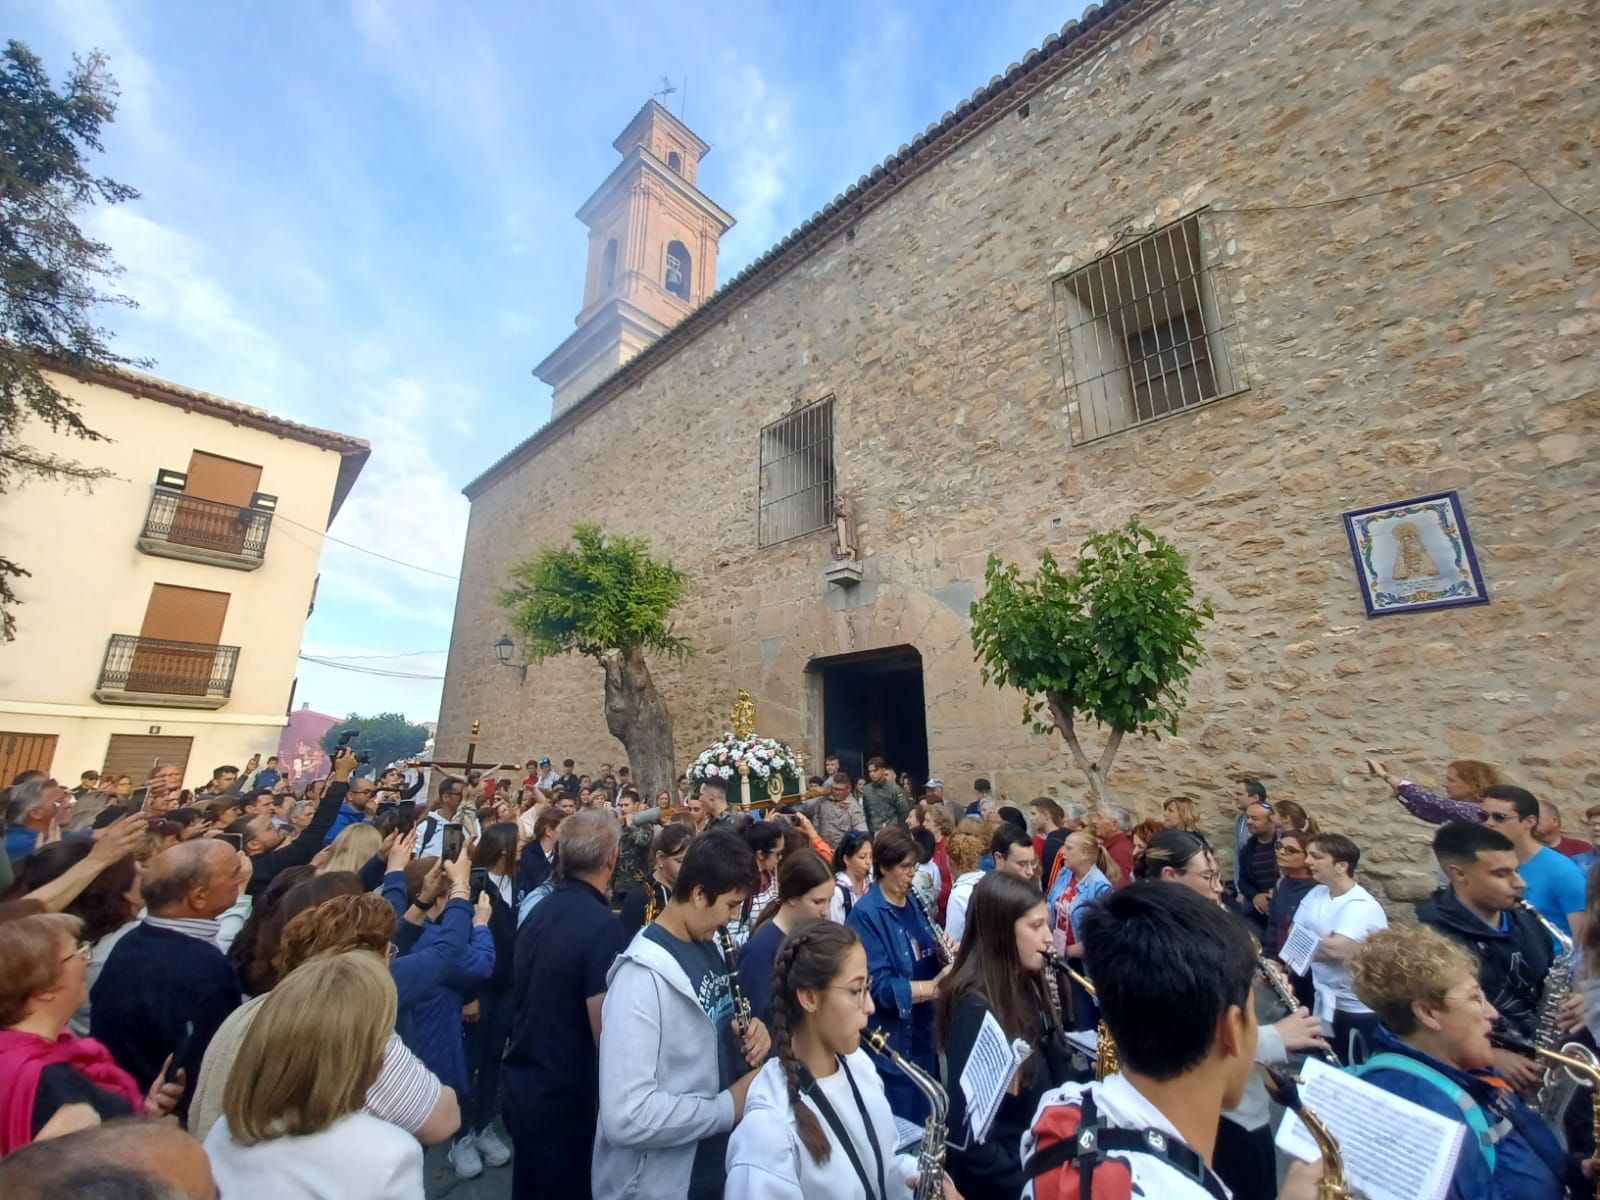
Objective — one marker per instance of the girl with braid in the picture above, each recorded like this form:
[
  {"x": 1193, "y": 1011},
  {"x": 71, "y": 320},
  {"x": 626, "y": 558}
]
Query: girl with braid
[{"x": 816, "y": 1120}]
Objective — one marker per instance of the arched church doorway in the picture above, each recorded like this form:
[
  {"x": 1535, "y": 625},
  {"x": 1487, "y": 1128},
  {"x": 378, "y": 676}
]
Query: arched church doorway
[{"x": 872, "y": 704}]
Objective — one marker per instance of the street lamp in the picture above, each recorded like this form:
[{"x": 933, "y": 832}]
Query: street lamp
[{"x": 503, "y": 649}]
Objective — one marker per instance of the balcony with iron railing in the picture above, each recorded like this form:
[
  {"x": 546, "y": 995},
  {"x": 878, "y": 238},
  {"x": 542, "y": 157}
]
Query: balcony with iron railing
[
  {"x": 159, "y": 673},
  {"x": 179, "y": 525}
]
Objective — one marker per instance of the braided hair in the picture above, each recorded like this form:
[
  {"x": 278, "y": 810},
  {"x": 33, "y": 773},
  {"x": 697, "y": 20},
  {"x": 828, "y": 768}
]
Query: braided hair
[{"x": 810, "y": 958}]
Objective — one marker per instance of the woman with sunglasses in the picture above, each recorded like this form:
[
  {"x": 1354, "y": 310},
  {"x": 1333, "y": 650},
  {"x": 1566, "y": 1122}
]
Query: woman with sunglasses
[
  {"x": 1294, "y": 881},
  {"x": 816, "y": 1120},
  {"x": 44, "y": 1068}
]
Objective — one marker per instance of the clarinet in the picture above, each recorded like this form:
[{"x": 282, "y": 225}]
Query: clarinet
[
  {"x": 930, "y": 1152},
  {"x": 1289, "y": 1000},
  {"x": 741, "y": 1006},
  {"x": 1106, "y": 1060},
  {"x": 941, "y": 939}
]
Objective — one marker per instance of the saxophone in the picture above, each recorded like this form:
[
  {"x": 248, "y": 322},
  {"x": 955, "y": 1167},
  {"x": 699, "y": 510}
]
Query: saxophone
[
  {"x": 1285, "y": 1091},
  {"x": 1572, "y": 1059},
  {"x": 651, "y": 908},
  {"x": 1559, "y": 1084},
  {"x": 930, "y": 1153},
  {"x": 1106, "y": 1062}
]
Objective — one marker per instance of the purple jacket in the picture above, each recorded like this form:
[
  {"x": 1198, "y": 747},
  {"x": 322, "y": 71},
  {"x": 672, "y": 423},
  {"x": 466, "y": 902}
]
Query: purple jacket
[{"x": 1434, "y": 808}]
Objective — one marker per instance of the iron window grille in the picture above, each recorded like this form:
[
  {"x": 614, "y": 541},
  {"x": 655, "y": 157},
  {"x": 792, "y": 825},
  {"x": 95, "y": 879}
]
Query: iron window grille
[
  {"x": 1147, "y": 330},
  {"x": 796, "y": 495}
]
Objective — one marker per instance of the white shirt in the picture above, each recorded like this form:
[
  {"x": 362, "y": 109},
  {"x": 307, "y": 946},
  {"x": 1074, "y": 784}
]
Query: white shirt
[
  {"x": 841, "y": 885},
  {"x": 766, "y": 1161},
  {"x": 1353, "y": 915},
  {"x": 358, "y": 1157},
  {"x": 955, "y": 912},
  {"x": 430, "y": 834}
]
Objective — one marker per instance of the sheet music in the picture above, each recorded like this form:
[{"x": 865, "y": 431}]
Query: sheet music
[
  {"x": 990, "y": 1068},
  {"x": 1299, "y": 948},
  {"x": 906, "y": 1135},
  {"x": 1088, "y": 1041},
  {"x": 1393, "y": 1149}
]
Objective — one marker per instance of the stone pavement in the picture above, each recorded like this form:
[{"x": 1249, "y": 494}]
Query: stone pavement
[{"x": 493, "y": 1184}]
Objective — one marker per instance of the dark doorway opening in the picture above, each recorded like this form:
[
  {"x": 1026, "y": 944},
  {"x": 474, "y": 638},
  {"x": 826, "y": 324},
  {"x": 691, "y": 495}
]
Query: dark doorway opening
[{"x": 872, "y": 704}]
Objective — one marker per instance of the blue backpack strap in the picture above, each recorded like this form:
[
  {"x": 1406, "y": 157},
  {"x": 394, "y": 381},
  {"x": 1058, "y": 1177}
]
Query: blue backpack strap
[{"x": 1471, "y": 1111}]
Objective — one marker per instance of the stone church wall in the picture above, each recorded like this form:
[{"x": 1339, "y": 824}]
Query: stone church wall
[{"x": 1438, "y": 338}]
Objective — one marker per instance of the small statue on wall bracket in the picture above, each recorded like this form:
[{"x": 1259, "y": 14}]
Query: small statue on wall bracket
[{"x": 844, "y": 529}]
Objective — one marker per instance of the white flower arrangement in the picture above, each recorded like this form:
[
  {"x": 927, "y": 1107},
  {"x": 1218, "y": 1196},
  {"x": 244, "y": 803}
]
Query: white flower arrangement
[{"x": 760, "y": 756}]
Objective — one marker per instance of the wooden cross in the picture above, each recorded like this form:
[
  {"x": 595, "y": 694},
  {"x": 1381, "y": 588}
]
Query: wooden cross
[{"x": 470, "y": 762}]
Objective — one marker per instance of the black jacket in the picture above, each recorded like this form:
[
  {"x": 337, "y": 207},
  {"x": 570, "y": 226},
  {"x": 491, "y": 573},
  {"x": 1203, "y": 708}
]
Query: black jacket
[
  {"x": 265, "y": 867},
  {"x": 1512, "y": 962},
  {"x": 992, "y": 1169}
]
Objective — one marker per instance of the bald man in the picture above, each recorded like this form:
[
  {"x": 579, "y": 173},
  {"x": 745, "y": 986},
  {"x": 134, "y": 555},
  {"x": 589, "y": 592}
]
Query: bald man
[
  {"x": 131, "y": 1159},
  {"x": 166, "y": 987}
]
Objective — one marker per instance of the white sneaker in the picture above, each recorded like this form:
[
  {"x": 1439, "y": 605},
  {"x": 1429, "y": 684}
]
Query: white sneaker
[
  {"x": 464, "y": 1158},
  {"x": 495, "y": 1152}
]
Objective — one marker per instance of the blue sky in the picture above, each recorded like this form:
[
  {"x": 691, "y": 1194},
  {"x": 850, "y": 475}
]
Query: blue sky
[{"x": 360, "y": 215}]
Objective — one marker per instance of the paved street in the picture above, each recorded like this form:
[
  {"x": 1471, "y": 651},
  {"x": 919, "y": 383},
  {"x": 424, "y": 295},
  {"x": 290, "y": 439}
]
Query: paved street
[{"x": 493, "y": 1184}]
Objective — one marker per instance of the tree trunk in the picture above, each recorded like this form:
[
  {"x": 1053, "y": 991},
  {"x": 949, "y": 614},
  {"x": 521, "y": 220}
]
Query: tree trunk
[
  {"x": 1095, "y": 771},
  {"x": 637, "y": 717}
]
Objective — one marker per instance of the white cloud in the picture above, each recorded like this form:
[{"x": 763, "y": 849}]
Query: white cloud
[{"x": 761, "y": 142}]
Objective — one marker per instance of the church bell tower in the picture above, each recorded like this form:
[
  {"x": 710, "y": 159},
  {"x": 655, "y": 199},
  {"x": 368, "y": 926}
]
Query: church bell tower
[{"x": 653, "y": 239}]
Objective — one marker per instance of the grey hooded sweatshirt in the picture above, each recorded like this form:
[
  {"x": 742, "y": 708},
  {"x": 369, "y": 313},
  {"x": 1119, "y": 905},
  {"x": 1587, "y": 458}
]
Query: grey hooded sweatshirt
[{"x": 659, "y": 1081}]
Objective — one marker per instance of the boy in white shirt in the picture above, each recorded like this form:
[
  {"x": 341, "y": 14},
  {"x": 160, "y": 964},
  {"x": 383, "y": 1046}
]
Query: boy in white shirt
[
  {"x": 1339, "y": 912},
  {"x": 1173, "y": 973}
]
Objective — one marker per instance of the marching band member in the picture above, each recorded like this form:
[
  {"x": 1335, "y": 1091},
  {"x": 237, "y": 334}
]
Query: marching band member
[
  {"x": 906, "y": 958},
  {"x": 1433, "y": 1049},
  {"x": 1244, "y": 1156},
  {"x": 817, "y": 1121},
  {"x": 646, "y": 901},
  {"x": 852, "y": 865},
  {"x": 673, "y": 1074},
  {"x": 1173, "y": 971},
  {"x": 999, "y": 974},
  {"x": 805, "y": 888}
]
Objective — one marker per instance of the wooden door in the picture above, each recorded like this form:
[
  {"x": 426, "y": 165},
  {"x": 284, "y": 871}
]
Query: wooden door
[
  {"x": 21, "y": 752},
  {"x": 185, "y": 627},
  {"x": 134, "y": 755},
  {"x": 212, "y": 481}
]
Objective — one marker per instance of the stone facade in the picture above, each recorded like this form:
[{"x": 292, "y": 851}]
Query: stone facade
[{"x": 1412, "y": 341}]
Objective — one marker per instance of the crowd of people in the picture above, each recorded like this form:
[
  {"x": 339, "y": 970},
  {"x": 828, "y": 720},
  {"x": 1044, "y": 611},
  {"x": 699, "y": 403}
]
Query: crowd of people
[{"x": 252, "y": 992}]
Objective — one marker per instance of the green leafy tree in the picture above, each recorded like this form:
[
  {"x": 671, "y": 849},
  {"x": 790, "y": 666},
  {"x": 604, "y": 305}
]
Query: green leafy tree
[
  {"x": 607, "y": 599},
  {"x": 1112, "y": 640},
  {"x": 51, "y": 274},
  {"x": 386, "y": 737}
]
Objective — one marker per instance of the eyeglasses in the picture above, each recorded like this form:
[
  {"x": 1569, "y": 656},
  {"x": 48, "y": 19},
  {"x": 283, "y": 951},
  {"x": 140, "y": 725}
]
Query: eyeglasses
[
  {"x": 81, "y": 950},
  {"x": 1289, "y": 848},
  {"x": 858, "y": 994},
  {"x": 1474, "y": 997},
  {"x": 1499, "y": 818},
  {"x": 1210, "y": 876}
]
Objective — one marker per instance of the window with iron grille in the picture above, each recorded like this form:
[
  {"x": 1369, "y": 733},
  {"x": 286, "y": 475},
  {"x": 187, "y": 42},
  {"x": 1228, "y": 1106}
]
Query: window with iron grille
[
  {"x": 797, "y": 474},
  {"x": 1148, "y": 332}
]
